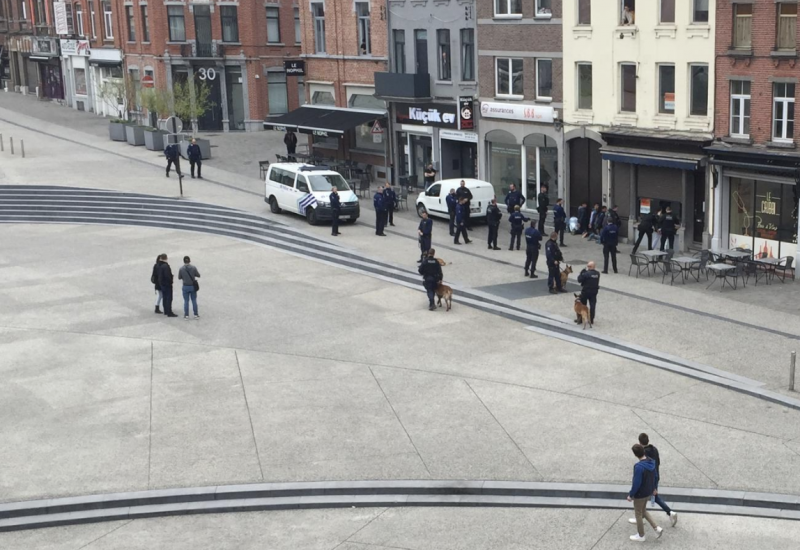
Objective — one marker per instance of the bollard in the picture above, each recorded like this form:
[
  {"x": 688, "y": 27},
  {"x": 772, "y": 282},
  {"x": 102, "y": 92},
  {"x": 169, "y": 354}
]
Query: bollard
[
  {"x": 791, "y": 370},
  {"x": 22, "y": 147},
  {"x": 11, "y": 141}
]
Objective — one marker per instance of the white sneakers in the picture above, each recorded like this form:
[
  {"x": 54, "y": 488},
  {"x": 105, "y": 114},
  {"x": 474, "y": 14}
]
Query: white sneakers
[
  {"x": 197, "y": 318},
  {"x": 637, "y": 538},
  {"x": 659, "y": 532},
  {"x": 185, "y": 317},
  {"x": 632, "y": 520},
  {"x": 673, "y": 517}
]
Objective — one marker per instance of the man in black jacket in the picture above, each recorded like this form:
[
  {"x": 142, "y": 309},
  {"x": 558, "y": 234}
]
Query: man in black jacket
[
  {"x": 171, "y": 151},
  {"x": 554, "y": 258},
  {"x": 514, "y": 198},
  {"x": 425, "y": 232},
  {"x": 589, "y": 279},
  {"x": 165, "y": 282},
  {"x": 493, "y": 216},
  {"x": 669, "y": 226},
  {"x": 290, "y": 139},
  {"x": 645, "y": 227},
  {"x": 609, "y": 238},
  {"x": 195, "y": 158},
  {"x": 431, "y": 271},
  {"x": 543, "y": 202},
  {"x": 652, "y": 452},
  {"x": 463, "y": 192},
  {"x": 390, "y": 202},
  {"x": 336, "y": 210}
]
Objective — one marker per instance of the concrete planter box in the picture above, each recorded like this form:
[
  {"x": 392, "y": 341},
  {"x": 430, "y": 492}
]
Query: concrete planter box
[
  {"x": 116, "y": 131},
  {"x": 154, "y": 140},
  {"x": 205, "y": 147},
  {"x": 134, "y": 135}
]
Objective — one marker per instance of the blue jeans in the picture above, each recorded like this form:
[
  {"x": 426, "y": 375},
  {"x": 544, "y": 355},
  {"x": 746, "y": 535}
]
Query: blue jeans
[
  {"x": 189, "y": 292},
  {"x": 662, "y": 504}
]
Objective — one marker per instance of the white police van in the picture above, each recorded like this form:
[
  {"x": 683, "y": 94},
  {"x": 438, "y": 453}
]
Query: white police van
[
  {"x": 434, "y": 199},
  {"x": 306, "y": 189}
]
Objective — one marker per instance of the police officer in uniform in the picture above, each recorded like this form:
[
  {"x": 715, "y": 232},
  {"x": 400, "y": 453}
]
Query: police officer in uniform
[
  {"x": 390, "y": 202},
  {"x": 461, "y": 221},
  {"x": 669, "y": 225},
  {"x": 336, "y": 208},
  {"x": 463, "y": 192},
  {"x": 431, "y": 272},
  {"x": 543, "y": 201},
  {"x": 493, "y": 216},
  {"x": 452, "y": 202},
  {"x": 533, "y": 242},
  {"x": 514, "y": 198},
  {"x": 645, "y": 227},
  {"x": 425, "y": 232},
  {"x": 379, "y": 202},
  {"x": 560, "y": 220},
  {"x": 554, "y": 258},
  {"x": 609, "y": 237},
  {"x": 589, "y": 279},
  {"x": 517, "y": 221}
]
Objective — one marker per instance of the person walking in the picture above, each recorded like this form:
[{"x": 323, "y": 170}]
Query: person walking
[
  {"x": 609, "y": 238},
  {"x": 336, "y": 210},
  {"x": 430, "y": 175},
  {"x": 461, "y": 223},
  {"x": 543, "y": 202},
  {"x": 643, "y": 486},
  {"x": 514, "y": 198},
  {"x": 463, "y": 192},
  {"x": 290, "y": 140},
  {"x": 425, "y": 232},
  {"x": 154, "y": 280},
  {"x": 165, "y": 278},
  {"x": 195, "y": 158},
  {"x": 517, "y": 221},
  {"x": 652, "y": 452},
  {"x": 560, "y": 221},
  {"x": 589, "y": 279},
  {"x": 391, "y": 202},
  {"x": 493, "y": 217},
  {"x": 431, "y": 271},
  {"x": 379, "y": 202},
  {"x": 669, "y": 226},
  {"x": 533, "y": 242},
  {"x": 554, "y": 258},
  {"x": 172, "y": 153},
  {"x": 452, "y": 202},
  {"x": 189, "y": 275},
  {"x": 645, "y": 227}
]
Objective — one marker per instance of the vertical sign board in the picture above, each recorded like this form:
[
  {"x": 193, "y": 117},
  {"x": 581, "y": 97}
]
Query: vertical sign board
[
  {"x": 466, "y": 113},
  {"x": 60, "y": 12}
]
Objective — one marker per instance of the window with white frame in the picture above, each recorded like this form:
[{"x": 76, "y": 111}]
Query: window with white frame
[
  {"x": 467, "y": 55},
  {"x": 700, "y": 11},
  {"x": 740, "y": 108},
  {"x": 627, "y": 82},
  {"x": 298, "y": 33},
  {"x": 318, "y": 13},
  {"x": 507, "y": 7},
  {"x": 364, "y": 30},
  {"x": 508, "y": 80},
  {"x": 92, "y": 18},
  {"x": 108, "y": 20},
  {"x": 666, "y": 14},
  {"x": 70, "y": 19},
  {"x": 783, "y": 111},
  {"x": 584, "y": 12},
  {"x": 443, "y": 45},
  {"x": 584, "y": 86},
  {"x": 79, "y": 19},
  {"x": 698, "y": 75},
  {"x": 544, "y": 8},
  {"x": 544, "y": 79},
  {"x": 786, "y": 38},
  {"x": 273, "y": 25},
  {"x": 666, "y": 89},
  {"x": 627, "y": 10}
]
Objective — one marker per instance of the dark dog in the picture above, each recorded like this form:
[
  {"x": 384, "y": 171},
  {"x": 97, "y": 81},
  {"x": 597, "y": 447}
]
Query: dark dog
[{"x": 582, "y": 311}]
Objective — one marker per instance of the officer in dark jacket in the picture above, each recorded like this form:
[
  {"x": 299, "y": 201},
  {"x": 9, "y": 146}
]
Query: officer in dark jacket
[
  {"x": 379, "y": 202},
  {"x": 462, "y": 210},
  {"x": 514, "y": 198},
  {"x": 463, "y": 192},
  {"x": 171, "y": 151},
  {"x": 195, "y": 158},
  {"x": 336, "y": 209},
  {"x": 452, "y": 202},
  {"x": 165, "y": 283},
  {"x": 533, "y": 242},
  {"x": 613, "y": 216},
  {"x": 669, "y": 226},
  {"x": 543, "y": 202},
  {"x": 390, "y": 201},
  {"x": 645, "y": 227},
  {"x": 589, "y": 279},
  {"x": 517, "y": 221},
  {"x": 583, "y": 218},
  {"x": 493, "y": 217},
  {"x": 554, "y": 258},
  {"x": 560, "y": 220},
  {"x": 425, "y": 232},
  {"x": 609, "y": 237},
  {"x": 290, "y": 140},
  {"x": 431, "y": 272}
]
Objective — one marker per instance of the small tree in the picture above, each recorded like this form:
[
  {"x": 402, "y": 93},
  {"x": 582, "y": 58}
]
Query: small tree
[
  {"x": 158, "y": 101},
  {"x": 191, "y": 101},
  {"x": 122, "y": 94}
]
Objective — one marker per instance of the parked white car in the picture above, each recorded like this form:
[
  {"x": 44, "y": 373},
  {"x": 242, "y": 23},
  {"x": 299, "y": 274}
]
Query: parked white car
[{"x": 434, "y": 199}]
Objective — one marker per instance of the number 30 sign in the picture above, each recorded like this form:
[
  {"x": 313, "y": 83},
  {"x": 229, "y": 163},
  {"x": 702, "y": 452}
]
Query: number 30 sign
[{"x": 207, "y": 74}]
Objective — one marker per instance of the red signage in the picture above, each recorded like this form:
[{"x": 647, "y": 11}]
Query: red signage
[{"x": 147, "y": 81}]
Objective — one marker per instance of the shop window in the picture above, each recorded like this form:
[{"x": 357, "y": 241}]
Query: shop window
[
  {"x": 318, "y": 13},
  {"x": 145, "y": 23},
  {"x": 541, "y": 167},
  {"x": 399, "y": 50},
  {"x": 230, "y": 23},
  {"x": 507, "y": 7},
  {"x": 699, "y": 83},
  {"x": 364, "y": 30},
  {"x": 177, "y": 24},
  {"x": 505, "y": 166},
  {"x": 322, "y": 98},
  {"x": 273, "y": 25},
  {"x": 628, "y": 87},
  {"x": 763, "y": 218},
  {"x": 584, "y": 86},
  {"x": 277, "y": 94},
  {"x": 366, "y": 140},
  {"x": 787, "y": 26},
  {"x": 508, "y": 80},
  {"x": 79, "y": 75},
  {"x": 298, "y": 34},
  {"x": 627, "y": 12},
  {"x": 443, "y": 41},
  {"x": 544, "y": 79},
  {"x": 131, "y": 22},
  {"x": 544, "y": 8},
  {"x": 108, "y": 20},
  {"x": 783, "y": 111},
  {"x": 666, "y": 89},
  {"x": 667, "y": 12},
  {"x": 584, "y": 12},
  {"x": 467, "y": 54},
  {"x": 700, "y": 11},
  {"x": 740, "y": 108},
  {"x": 742, "y": 26}
]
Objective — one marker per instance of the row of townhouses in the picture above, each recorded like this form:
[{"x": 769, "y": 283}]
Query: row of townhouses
[{"x": 631, "y": 103}]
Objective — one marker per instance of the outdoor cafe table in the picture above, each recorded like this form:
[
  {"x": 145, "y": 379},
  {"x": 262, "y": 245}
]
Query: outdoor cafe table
[
  {"x": 733, "y": 254},
  {"x": 653, "y": 256},
  {"x": 685, "y": 262},
  {"x": 769, "y": 266},
  {"x": 718, "y": 269}
]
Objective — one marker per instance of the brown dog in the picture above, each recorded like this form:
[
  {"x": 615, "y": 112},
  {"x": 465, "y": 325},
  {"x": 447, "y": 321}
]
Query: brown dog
[
  {"x": 444, "y": 291},
  {"x": 582, "y": 311},
  {"x": 564, "y": 276}
]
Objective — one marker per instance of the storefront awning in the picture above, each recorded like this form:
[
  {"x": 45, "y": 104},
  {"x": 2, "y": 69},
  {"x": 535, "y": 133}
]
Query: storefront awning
[
  {"x": 105, "y": 63},
  {"x": 678, "y": 161},
  {"x": 321, "y": 121}
]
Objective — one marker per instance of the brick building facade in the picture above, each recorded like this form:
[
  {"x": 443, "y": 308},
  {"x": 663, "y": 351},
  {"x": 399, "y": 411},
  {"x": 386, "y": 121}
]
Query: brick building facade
[{"x": 756, "y": 163}]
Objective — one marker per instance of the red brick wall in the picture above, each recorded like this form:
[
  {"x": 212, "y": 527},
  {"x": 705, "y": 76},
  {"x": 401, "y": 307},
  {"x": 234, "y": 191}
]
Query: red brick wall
[{"x": 760, "y": 67}]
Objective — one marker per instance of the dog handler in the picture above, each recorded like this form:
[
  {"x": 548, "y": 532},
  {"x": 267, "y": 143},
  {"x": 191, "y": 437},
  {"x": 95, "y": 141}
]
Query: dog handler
[
  {"x": 589, "y": 280},
  {"x": 431, "y": 273}
]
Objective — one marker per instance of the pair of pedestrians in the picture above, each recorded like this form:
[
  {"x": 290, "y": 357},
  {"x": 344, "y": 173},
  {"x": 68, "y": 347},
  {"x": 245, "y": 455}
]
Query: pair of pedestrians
[
  {"x": 644, "y": 488},
  {"x": 162, "y": 278}
]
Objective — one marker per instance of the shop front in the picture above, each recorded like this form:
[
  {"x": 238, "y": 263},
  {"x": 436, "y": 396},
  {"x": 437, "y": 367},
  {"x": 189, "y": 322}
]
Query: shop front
[
  {"x": 105, "y": 66},
  {"x": 23, "y": 72},
  {"x": 45, "y": 54},
  {"x": 523, "y": 147},
  {"x": 75, "y": 67},
  {"x": 756, "y": 196}
]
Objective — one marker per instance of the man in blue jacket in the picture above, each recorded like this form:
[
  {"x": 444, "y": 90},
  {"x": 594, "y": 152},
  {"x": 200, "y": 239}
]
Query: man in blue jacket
[
  {"x": 560, "y": 220},
  {"x": 390, "y": 199},
  {"x": 554, "y": 258},
  {"x": 643, "y": 486},
  {"x": 461, "y": 221},
  {"x": 609, "y": 239},
  {"x": 425, "y": 232},
  {"x": 452, "y": 203},
  {"x": 336, "y": 209},
  {"x": 195, "y": 158},
  {"x": 517, "y": 221},
  {"x": 533, "y": 242},
  {"x": 514, "y": 198},
  {"x": 379, "y": 202}
]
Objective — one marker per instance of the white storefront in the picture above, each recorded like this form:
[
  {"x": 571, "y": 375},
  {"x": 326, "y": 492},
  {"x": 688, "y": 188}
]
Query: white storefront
[
  {"x": 77, "y": 78},
  {"x": 105, "y": 64}
]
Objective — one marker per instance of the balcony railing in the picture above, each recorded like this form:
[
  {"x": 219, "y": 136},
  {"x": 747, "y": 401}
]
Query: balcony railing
[
  {"x": 411, "y": 86},
  {"x": 194, "y": 49}
]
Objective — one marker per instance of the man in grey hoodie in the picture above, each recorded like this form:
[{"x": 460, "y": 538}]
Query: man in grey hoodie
[
  {"x": 643, "y": 487},
  {"x": 189, "y": 275}
]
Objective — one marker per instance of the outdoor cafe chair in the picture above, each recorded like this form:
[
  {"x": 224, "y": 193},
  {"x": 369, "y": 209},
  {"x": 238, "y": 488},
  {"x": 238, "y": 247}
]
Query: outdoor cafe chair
[
  {"x": 641, "y": 263},
  {"x": 702, "y": 267},
  {"x": 754, "y": 269},
  {"x": 736, "y": 274},
  {"x": 673, "y": 269},
  {"x": 785, "y": 267}
]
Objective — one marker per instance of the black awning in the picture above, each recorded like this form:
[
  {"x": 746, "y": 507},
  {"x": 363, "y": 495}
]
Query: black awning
[
  {"x": 105, "y": 63},
  {"x": 678, "y": 161},
  {"x": 321, "y": 122}
]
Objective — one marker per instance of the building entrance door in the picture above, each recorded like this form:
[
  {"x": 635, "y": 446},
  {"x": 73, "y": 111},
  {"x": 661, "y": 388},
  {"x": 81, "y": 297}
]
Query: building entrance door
[
  {"x": 211, "y": 120},
  {"x": 585, "y": 174},
  {"x": 52, "y": 83}
]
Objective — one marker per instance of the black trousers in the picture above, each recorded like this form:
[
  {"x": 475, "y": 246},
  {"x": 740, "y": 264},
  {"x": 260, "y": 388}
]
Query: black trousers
[
  {"x": 424, "y": 244},
  {"x": 553, "y": 277},
  {"x": 461, "y": 229},
  {"x": 560, "y": 227},
  {"x": 639, "y": 240},
  {"x": 199, "y": 164},
  {"x": 612, "y": 250},
  {"x": 590, "y": 297},
  {"x": 290, "y": 151},
  {"x": 467, "y": 222},
  {"x": 542, "y": 218},
  {"x": 390, "y": 215},
  {"x": 518, "y": 237},
  {"x": 380, "y": 221},
  {"x": 531, "y": 257},
  {"x": 166, "y": 299},
  {"x": 335, "y": 222},
  {"x": 493, "y": 230},
  {"x": 452, "y": 222},
  {"x": 430, "y": 288},
  {"x": 176, "y": 163},
  {"x": 667, "y": 237}
]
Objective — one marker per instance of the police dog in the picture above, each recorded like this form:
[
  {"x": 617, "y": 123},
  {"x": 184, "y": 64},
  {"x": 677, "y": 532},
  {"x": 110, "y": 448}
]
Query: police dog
[
  {"x": 565, "y": 276},
  {"x": 444, "y": 291},
  {"x": 582, "y": 311}
]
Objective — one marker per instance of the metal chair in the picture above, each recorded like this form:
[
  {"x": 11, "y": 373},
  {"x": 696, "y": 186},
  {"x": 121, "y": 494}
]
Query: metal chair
[
  {"x": 785, "y": 267},
  {"x": 736, "y": 274},
  {"x": 675, "y": 271},
  {"x": 363, "y": 188},
  {"x": 641, "y": 263},
  {"x": 663, "y": 262},
  {"x": 402, "y": 198},
  {"x": 702, "y": 267},
  {"x": 754, "y": 269}
]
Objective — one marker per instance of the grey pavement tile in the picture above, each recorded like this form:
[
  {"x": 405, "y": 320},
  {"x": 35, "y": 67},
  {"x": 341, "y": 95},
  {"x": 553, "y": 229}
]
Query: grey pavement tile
[{"x": 72, "y": 537}]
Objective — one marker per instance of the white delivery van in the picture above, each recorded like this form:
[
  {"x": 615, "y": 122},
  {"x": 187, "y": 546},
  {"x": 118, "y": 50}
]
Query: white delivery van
[
  {"x": 306, "y": 190},
  {"x": 433, "y": 200}
]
